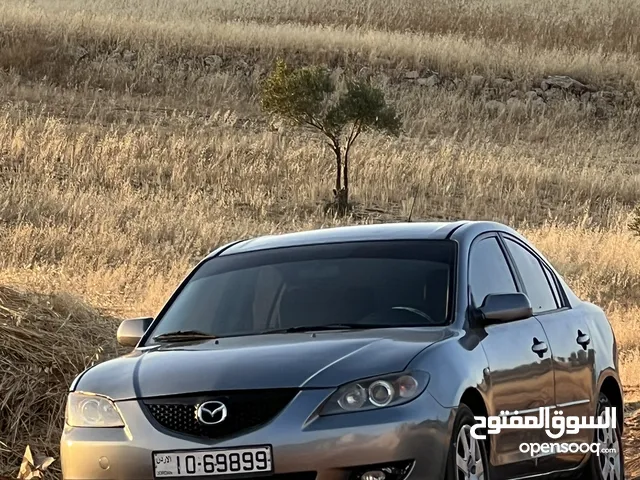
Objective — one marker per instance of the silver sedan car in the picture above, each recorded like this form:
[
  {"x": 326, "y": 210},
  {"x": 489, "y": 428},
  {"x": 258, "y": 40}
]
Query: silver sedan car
[{"x": 356, "y": 353}]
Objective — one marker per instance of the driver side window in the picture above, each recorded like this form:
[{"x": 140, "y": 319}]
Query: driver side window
[{"x": 488, "y": 270}]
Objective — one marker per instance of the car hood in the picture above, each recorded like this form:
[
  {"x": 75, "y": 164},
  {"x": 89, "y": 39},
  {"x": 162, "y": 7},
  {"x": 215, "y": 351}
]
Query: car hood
[{"x": 293, "y": 360}]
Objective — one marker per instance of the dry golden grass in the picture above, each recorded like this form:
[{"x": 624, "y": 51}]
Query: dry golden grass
[
  {"x": 124, "y": 158},
  {"x": 43, "y": 340},
  {"x": 593, "y": 41}
]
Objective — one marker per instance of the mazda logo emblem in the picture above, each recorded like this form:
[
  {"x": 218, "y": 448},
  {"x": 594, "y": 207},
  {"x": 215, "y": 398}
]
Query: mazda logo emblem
[{"x": 211, "y": 413}]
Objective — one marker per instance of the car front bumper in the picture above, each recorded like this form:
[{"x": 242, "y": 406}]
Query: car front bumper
[{"x": 331, "y": 446}]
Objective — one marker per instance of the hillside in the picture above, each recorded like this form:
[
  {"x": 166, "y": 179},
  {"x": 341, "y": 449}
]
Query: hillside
[{"x": 132, "y": 143}]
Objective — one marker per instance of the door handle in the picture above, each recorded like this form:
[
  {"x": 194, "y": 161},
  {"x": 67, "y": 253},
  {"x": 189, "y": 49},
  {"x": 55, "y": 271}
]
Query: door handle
[
  {"x": 539, "y": 347},
  {"x": 583, "y": 339}
]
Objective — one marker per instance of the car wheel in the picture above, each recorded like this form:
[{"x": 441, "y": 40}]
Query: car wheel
[
  {"x": 609, "y": 465},
  {"x": 467, "y": 459}
]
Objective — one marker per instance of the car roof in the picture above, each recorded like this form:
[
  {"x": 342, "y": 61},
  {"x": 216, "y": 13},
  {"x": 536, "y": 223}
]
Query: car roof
[{"x": 355, "y": 233}]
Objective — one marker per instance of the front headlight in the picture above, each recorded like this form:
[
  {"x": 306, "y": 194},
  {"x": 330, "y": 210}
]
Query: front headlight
[
  {"x": 379, "y": 392},
  {"x": 90, "y": 410}
]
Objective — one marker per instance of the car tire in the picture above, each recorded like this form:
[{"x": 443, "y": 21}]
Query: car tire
[
  {"x": 597, "y": 468},
  {"x": 470, "y": 462}
]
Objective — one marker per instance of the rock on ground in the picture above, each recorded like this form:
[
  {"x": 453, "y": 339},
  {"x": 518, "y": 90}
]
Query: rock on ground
[
  {"x": 531, "y": 95},
  {"x": 214, "y": 61},
  {"x": 430, "y": 82},
  {"x": 494, "y": 106},
  {"x": 476, "y": 80},
  {"x": 564, "y": 82}
]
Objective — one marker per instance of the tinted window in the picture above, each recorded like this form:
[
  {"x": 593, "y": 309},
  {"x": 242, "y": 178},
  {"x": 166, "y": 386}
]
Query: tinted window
[
  {"x": 385, "y": 283},
  {"x": 489, "y": 271},
  {"x": 534, "y": 278}
]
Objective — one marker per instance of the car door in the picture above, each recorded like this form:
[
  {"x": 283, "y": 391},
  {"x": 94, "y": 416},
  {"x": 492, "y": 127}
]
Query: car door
[
  {"x": 520, "y": 370},
  {"x": 569, "y": 340}
]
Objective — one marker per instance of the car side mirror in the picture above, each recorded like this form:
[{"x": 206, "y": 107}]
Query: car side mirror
[
  {"x": 131, "y": 331},
  {"x": 505, "y": 307}
]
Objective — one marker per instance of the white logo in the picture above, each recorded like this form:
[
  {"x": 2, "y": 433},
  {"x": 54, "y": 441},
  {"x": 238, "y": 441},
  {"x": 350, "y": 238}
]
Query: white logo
[
  {"x": 559, "y": 423},
  {"x": 211, "y": 413}
]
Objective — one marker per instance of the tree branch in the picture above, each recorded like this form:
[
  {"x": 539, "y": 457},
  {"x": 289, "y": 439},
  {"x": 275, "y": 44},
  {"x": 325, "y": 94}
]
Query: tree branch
[
  {"x": 309, "y": 120},
  {"x": 353, "y": 128},
  {"x": 355, "y": 132}
]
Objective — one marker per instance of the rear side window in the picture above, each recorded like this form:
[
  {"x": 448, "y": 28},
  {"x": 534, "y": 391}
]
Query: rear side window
[
  {"x": 536, "y": 282},
  {"x": 489, "y": 271}
]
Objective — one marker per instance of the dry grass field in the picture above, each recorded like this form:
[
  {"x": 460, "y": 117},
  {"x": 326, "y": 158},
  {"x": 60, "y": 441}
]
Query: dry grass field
[{"x": 132, "y": 143}]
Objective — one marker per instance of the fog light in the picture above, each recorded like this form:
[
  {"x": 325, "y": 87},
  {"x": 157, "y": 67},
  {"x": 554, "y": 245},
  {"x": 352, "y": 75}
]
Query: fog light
[
  {"x": 104, "y": 463},
  {"x": 383, "y": 471},
  {"x": 374, "y": 475}
]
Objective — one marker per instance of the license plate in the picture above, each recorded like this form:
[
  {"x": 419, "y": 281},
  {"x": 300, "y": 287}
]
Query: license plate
[{"x": 198, "y": 463}]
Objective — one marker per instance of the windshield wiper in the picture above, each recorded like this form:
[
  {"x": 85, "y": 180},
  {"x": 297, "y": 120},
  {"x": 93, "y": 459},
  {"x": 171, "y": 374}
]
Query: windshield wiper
[
  {"x": 331, "y": 326},
  {"x": 183, "y": 336}
]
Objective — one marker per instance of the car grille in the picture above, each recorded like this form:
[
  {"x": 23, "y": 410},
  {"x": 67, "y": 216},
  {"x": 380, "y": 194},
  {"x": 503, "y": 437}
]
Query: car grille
[{"x": 246, "y": 410}]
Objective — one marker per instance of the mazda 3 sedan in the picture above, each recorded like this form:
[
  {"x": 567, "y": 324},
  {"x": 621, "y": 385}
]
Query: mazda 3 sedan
[{"x": 354, "y": 353}]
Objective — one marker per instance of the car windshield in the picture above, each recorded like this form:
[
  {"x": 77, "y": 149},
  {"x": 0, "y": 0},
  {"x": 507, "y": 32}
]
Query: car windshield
[{"x": 374, "y": 283}]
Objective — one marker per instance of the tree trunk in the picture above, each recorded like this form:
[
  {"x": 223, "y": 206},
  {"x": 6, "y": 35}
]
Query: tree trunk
[
  {"x": 345, "y": 177},
  {"x": 338, "y": 153},
  {"x": 340, "y": 202}
]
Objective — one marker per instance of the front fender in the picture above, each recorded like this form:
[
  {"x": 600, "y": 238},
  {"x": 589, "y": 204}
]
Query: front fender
[{"x": 454, "y": 365}]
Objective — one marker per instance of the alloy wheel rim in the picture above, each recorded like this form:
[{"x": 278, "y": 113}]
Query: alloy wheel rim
[
  {"x": 469, "y": 456},
  {"x": 610, "y": 461}
]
